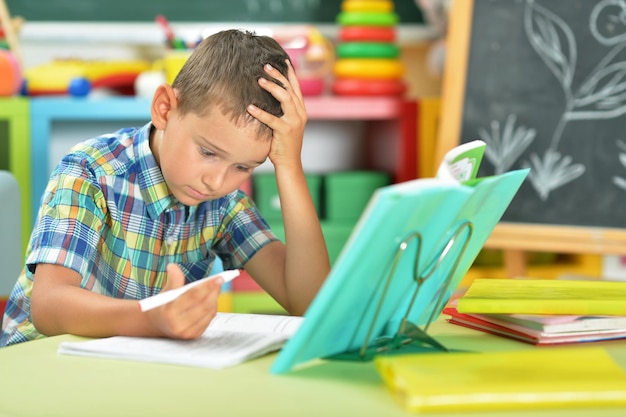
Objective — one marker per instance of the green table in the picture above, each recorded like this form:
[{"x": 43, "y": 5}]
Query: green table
[{"x": 36, "y": 381}]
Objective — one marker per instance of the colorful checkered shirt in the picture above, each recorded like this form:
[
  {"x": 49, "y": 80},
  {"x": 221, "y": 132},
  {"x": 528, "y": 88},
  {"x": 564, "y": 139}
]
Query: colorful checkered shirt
[{"x": 108, "y": 215}]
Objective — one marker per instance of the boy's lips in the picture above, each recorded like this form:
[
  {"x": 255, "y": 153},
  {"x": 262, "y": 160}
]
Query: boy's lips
[{"x": 192, "y": 192}]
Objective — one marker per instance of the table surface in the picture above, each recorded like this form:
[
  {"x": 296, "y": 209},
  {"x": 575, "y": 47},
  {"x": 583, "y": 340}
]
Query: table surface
[{"x": 39, "y": 382}]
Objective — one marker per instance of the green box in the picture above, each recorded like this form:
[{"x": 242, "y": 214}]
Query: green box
[
  {"x": 265, "y": 194},
  {"x": 347, "y": 193},
  {"x": 336, "y": 235}
]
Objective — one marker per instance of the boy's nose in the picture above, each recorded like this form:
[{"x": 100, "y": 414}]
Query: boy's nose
[{"x": 215, "y": 178}]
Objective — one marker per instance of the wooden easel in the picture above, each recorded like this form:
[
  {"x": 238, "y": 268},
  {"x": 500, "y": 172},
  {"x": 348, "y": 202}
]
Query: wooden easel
[{"x": 515, "y": 239}]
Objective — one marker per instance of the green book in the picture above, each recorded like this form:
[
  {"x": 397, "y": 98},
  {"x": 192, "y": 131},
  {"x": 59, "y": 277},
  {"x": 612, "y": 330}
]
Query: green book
[{"x": 545, "y": 296}]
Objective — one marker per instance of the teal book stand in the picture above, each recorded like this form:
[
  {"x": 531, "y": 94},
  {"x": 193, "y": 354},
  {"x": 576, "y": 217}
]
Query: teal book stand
[{"x": 412, "y": 246}]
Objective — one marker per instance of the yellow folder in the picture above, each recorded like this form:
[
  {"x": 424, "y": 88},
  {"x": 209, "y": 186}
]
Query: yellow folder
[{"x": 512, "y": 380}]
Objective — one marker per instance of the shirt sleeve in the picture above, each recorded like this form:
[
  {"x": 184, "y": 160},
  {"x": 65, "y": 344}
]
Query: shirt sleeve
[
  {"x": 243, "y": 233},
  {"x": 70, "y": 220}
]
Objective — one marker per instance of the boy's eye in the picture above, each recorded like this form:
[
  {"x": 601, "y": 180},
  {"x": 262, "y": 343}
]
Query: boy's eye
[
  {"x": 242, "y": 168},
  {"x": 206, "y": 152}
]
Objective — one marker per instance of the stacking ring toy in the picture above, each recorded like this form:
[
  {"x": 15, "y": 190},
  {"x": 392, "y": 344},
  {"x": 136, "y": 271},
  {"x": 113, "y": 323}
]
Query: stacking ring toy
[
  {"x": 311, "y": 86},
  {"x": 355, "y": 87},
  {"x": 367, "y": 50},
  {"x": 368, "y": 68},
  {"x": 367, "y": 18},
  {"x": 367, "y": 34},
  {"x": 367, "y": 6}
]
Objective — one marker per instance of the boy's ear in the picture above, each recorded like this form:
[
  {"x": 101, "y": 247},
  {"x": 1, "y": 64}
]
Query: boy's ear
[{"x": 163, "y": 102}]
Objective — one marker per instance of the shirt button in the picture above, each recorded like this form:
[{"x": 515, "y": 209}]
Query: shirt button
[{"x": 169, "y": 240}]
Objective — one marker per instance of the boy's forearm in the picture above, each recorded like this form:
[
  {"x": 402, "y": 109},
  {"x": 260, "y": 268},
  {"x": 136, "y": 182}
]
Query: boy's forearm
[
  {"x": 70, "y": 309},
  {"x": 307, "y": 263}
]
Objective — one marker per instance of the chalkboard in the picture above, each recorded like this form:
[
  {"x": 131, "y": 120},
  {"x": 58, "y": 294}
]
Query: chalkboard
[
  {"x": 543, "y": 82},
  {"x": 303, "y": 11}
]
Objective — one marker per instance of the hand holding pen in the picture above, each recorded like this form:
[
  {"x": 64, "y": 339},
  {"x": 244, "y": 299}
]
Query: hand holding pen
[{"x": 184, "y": 311}]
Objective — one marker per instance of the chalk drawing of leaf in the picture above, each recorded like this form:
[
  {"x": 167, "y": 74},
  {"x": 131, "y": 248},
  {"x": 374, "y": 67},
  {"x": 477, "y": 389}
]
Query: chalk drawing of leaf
[
  {"x": 619, "y": 181},
  {"x": 604, "y": 94},
  {"x": 553, "y": 40},
  {"x": 552, "y": 172},
  {"x": 505, "y": 147}
]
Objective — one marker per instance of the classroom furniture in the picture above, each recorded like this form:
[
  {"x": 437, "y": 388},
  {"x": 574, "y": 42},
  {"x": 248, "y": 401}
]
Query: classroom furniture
[
  {"x": 46, "y": 111},
  {"x": 59, "y": 385},
  {"x": 565, "y": 122},
  {"x": 391, "y": 127},
  {"x": 15, "y": 151},
  {"x": 10, "y": 234}
]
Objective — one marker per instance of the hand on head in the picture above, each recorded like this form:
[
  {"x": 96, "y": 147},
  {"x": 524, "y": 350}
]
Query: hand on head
[
  {"x": 288, "y": 130},
  {"x": 188, "y": 316}
]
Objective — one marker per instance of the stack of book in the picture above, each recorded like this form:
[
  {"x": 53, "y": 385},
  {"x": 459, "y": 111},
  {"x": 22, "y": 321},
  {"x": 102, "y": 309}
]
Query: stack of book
[{"x": 543, "y": 312}]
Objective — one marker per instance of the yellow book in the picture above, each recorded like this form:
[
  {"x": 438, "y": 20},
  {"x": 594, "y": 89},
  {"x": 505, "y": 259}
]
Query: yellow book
[
  {"x": 544, "y": 296},
  {"x": 514, "y": 380}
]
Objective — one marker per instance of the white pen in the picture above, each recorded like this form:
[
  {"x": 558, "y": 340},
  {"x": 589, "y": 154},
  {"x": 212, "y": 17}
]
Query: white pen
[{"x": 167, "y": 296}]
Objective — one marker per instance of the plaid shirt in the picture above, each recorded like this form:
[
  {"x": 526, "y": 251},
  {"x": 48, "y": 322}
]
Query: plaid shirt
[{"x": 108, "y": 215}]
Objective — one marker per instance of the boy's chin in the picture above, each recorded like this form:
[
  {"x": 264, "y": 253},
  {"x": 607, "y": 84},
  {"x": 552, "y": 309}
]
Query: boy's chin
[
  {"x": 193, "y": 200},
  {"x": 189, "y": 200}
]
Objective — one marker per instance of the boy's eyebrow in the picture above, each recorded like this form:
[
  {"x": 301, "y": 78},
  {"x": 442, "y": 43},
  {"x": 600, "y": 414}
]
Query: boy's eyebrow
[
  {"x": 259, "y": 162},
  {"x": 217, "y": 148}
]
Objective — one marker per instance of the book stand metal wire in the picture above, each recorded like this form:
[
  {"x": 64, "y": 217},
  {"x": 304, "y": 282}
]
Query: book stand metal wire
[{"x": 409, "y": 337}]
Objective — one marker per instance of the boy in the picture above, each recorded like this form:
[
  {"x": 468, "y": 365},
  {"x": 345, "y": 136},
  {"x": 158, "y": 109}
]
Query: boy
[{"x": 140, "y": 211}]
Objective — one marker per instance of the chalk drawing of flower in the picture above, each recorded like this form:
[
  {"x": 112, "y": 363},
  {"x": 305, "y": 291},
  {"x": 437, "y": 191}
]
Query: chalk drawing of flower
[
  {"x": 601, "y": 95},
  {"x": 504, "y": 146},
  {"x": 551, "y": 172}
]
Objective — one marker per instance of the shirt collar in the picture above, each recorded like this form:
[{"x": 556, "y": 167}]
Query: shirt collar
[{"x": 154, "y": 190}]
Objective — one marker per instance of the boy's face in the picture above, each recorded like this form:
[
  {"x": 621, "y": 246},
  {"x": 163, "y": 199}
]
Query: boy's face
[{"x": 206, "y": 157}]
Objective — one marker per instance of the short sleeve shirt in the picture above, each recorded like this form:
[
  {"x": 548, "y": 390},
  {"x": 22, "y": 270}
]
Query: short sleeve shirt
[{"x": 107, "y": 214}]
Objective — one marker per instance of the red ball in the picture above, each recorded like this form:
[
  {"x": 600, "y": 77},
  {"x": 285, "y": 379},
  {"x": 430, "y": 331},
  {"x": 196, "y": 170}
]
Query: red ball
[{"x": 10, "y": 74}]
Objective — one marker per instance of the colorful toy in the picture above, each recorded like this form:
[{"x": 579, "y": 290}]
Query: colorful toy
[
  {"x": 312, "y": 55},
  {"x": 367, "y": 34},
  {"x": 10, "y": 74},
  {"x": 369, "y": 68},
  {"x": 367, "y": 50},
  {"x": 367, "y": 6},
  {"x": 368, "y": 61},
  {"x": 79, "y": 77},
  {"x": 365, "y": 18},
  {"x": 357, "y": 87}
]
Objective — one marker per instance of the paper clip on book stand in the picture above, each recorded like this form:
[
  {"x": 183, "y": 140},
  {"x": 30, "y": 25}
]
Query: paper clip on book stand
[{"x": 410, "y": 337}]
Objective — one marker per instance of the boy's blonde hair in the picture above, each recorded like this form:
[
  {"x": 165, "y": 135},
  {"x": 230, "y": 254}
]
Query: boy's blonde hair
[{"x": 224, "y": 71}]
